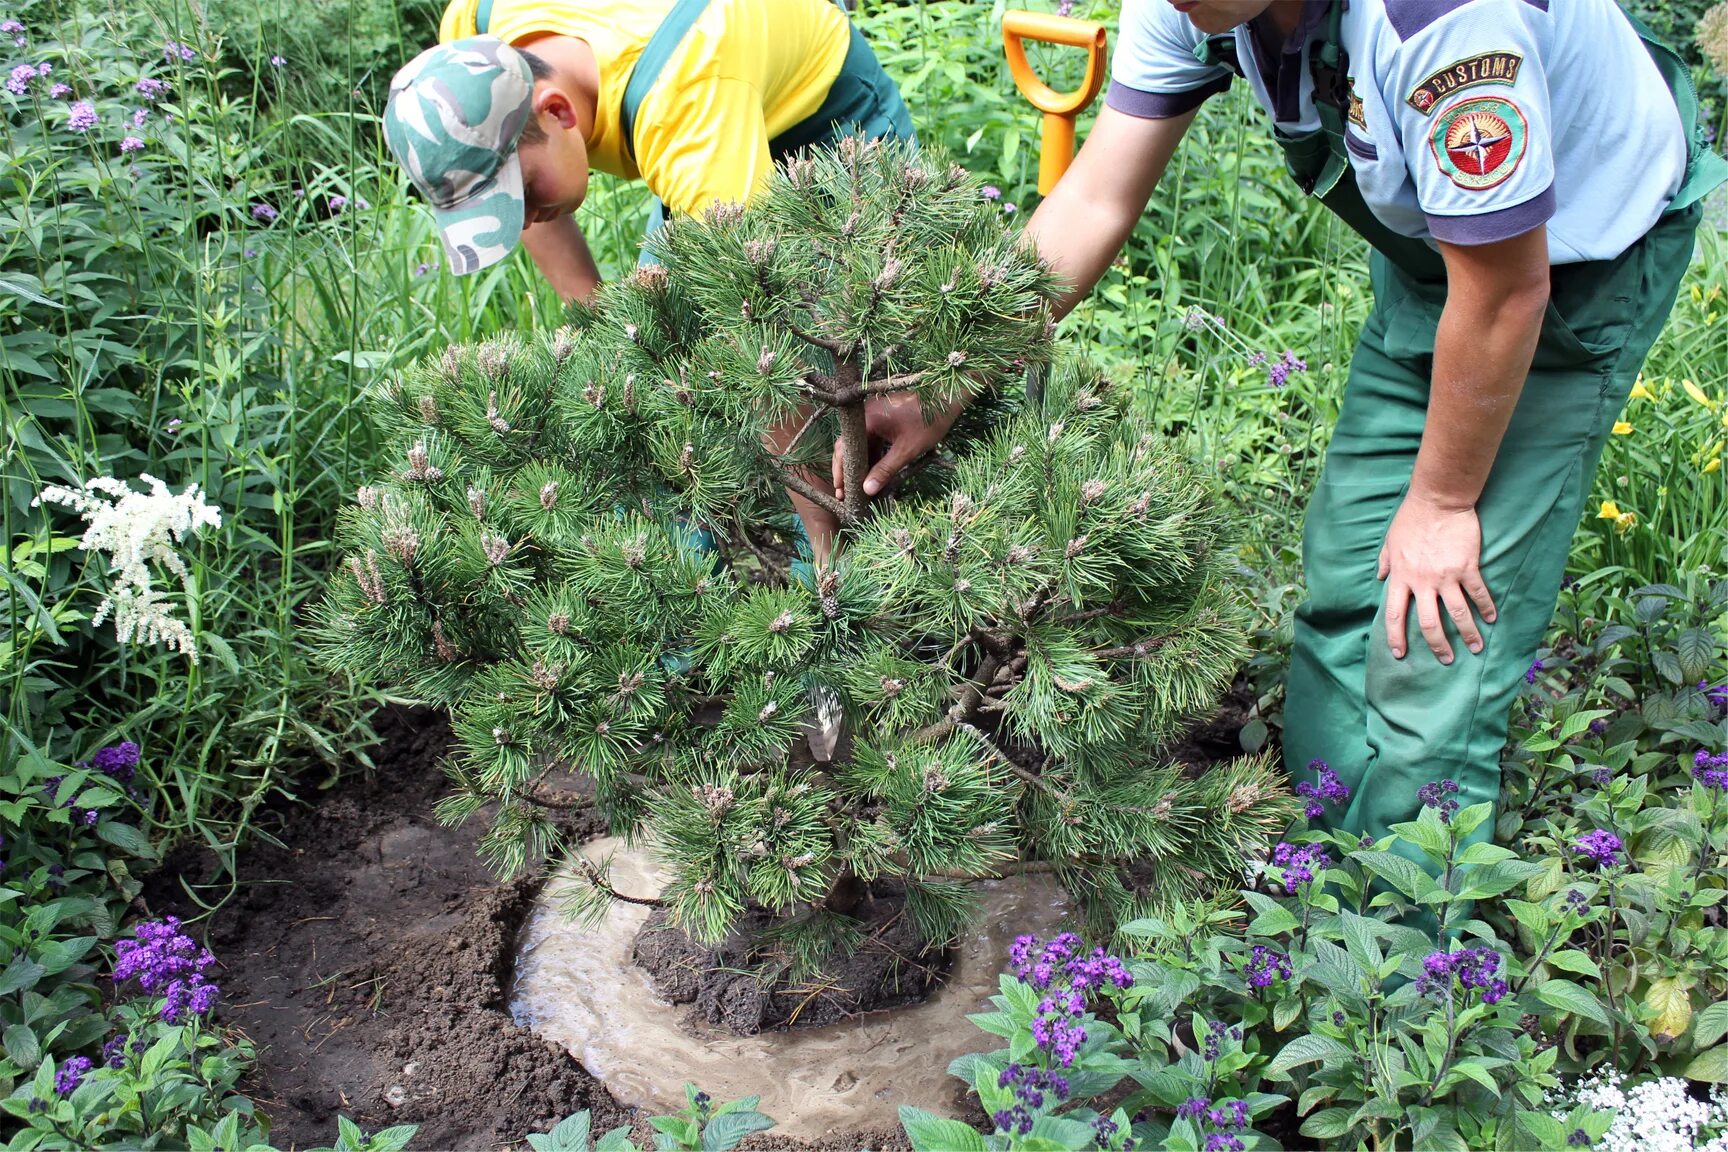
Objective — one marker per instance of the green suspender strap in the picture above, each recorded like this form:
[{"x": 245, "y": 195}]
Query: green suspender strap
[{"x": 655, "y": 54}]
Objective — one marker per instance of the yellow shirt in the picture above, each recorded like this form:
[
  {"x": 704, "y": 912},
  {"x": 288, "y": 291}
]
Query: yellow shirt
[{"x": 745, "y": 72}]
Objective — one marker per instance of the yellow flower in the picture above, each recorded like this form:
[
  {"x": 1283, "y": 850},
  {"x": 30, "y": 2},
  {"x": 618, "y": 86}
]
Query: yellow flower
[
  {"x": 1697, "y": 394},
  {"x": 1714, "y": 465},
  {"x": 1622, "y": 428},
  {"x": 1641, "y": 392},
  {"x": 1623, "y": 523},
  {"x": 1610, "y": 511}
]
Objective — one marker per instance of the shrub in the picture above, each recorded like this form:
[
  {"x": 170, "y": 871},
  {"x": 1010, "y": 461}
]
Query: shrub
[{"x": 1007, "y": 643}]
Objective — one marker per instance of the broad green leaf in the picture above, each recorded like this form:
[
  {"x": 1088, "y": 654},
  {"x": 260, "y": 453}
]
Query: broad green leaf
[
  {"x": 1569, "y": 997},
  {"x": 930, "y": 1133},
  {"x": 1306, "y": 1050},
  {"x": 1710, "y": 1025},
  {"x": 725, "y": 1131},
  {"x": 1710, "y": 1066}
]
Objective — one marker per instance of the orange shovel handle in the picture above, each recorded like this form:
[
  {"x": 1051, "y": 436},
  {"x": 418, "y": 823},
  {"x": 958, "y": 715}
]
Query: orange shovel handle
[{"x": 1056, "y": 141}]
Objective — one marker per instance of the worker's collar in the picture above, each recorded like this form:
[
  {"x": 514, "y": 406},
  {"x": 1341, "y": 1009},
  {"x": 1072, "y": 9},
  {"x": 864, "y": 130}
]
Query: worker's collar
[{"x": 1279, "y": 57}]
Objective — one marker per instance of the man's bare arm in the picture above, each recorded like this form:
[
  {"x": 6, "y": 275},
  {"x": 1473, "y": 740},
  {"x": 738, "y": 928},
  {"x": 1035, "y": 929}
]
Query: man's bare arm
[
  {"x": 562, "y": 256},
  {"x": 1083, "y": 223}
]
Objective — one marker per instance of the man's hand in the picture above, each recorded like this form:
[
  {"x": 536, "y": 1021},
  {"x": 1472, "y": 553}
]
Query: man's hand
[
  {"x": 897, "y": 419},
  {"x": 1432, "y": 555}
]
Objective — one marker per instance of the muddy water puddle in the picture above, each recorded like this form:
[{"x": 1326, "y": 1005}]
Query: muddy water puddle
[{"x": 577, "y": 987}]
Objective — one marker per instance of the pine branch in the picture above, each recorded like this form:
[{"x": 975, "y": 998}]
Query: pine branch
[
  {"x": 897, "y": 383},
  {"x": 592, "y": 874},
  {"x": 1137, "y": 649},
  {"x": 815, "y": 495}
]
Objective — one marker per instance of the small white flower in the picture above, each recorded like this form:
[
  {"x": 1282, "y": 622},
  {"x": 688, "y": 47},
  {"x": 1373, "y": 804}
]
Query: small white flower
[{"x": 136, "y": 530}]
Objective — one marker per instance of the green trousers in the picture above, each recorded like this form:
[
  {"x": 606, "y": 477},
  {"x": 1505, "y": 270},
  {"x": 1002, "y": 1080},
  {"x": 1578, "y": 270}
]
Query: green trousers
[{"x": 1389, "y": 726}]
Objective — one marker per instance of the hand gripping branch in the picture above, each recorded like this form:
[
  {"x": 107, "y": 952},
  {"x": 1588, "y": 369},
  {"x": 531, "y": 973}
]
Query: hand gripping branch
[{"x": 1056, "y": 140}]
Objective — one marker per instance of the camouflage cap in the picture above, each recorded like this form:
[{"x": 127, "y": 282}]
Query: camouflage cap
[{"x": 455, "y": 114}]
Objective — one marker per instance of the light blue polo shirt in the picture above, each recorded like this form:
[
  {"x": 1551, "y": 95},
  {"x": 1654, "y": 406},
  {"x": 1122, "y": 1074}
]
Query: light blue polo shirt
[{"x": 1470, "y": 121}]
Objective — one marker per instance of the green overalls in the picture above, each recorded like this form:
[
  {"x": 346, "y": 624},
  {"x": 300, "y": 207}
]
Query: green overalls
[{"x": 1389, "y": 726}]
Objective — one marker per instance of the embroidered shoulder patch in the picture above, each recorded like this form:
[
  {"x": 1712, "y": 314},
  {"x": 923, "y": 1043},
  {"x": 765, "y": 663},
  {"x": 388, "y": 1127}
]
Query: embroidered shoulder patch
[
  {"x": 1487, "y": 68},
  {"x": 1478, "y": 143},
  {"x": 1354, "y": 111}
]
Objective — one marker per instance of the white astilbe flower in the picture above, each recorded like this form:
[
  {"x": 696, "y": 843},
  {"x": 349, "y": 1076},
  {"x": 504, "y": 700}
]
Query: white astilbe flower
[
  {"x": 1657, "y": 1115},
  {"x": 136, "y": 530}
]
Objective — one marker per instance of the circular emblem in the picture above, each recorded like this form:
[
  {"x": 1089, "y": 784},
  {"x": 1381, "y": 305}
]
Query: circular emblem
[
  {"x": 1422, "y": 99},
  {"x": 1479, "y": 142}
]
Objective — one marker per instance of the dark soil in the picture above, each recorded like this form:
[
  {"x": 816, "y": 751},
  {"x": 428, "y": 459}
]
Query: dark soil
[
  {"x": 367, "y": 956},
  {"x": 738, "y": 985}
]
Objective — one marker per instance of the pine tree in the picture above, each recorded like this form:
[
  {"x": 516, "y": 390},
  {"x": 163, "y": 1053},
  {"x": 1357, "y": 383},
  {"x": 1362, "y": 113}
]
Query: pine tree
[{"x": 1009, "y": 640}]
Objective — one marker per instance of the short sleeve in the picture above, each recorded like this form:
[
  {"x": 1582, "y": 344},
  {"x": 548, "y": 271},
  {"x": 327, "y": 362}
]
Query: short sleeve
[
  {"x": 1155, "y": 74},
  {"x": 707, "y": 144},
  {"x": 1472, "y": 102}
]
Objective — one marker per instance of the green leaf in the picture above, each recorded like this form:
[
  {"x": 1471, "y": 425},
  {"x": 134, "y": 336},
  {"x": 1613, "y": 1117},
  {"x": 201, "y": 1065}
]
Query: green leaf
[
  {"x": 568, "y": 1135},
  {"x": 1710, "y": 1025},
  {"x": 393, "y": 1139},
  {"x": 1537, "y": 1130},
  {"x": 1667, "y": 665},
  {"x": 1405, "y": 875},
  {"x": 1306, "y": 1050},
  {"x": 21, "y": 1046},
  {"x": 617, "y": 1140},
  {"x": 1272, "y": 919},
  {"x": 930, "y": 1133},
  {"x": 1572, "y": 960},
  {"x": 23, "y": 972},
  {"x": 1327, "y": 1124},
  {"x": 1711, "y": 1066},
  {"x": 1696, "y": 649},
  {"x": 723, "y": 1132},
  {"x": 1569, "y": 997},
  {"x": 126, "y": 838}
]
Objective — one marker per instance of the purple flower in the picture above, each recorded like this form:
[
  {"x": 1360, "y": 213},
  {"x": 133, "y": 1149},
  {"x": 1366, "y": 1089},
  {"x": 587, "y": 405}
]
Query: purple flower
[
  {"x": 1475, "y": 969},
  {"x": 1301, "y": 863},
  {"x": 1576, "y": 902},
  {"x": 117, "y": 760},
  {"x": 1231, "y": 1114},
  {"x": 277, "y": 61},
  {"x": 173, "y": 49},
  {"x": 1223, "y": 1142},
  {"x": 337, "y": 203},
  {"x": 71, "y": 1074},
  {"x": 423, "y": 268},
  {"x": 1329, "y": 788},
  {"x": 264, "y": 212},
  {"x": 990, "y": 192},
  {"x": 81, "y": 117},
  {"x": 114, "y": 1052},
  {"x": 174, "y": 424},
  {"x": 1711, "y": 771},
  {"x": 249, "y": 253},
  {"x": 1278, "y": 371},
  {"x": 1065, "y": 8},
  {"x": 1533, "y": 671},
  {"x": 1600, "y": 847},
  {"x": 1216, "y": 1034},
  {"x": 1009, "y": 209},
  {"x": 11, "y": 28},
  {"x": 1263, "y": 966},
  {"x": 60, "y": 91},
  {"x": 1193, "y": 1107},
  {"x": 1716, "y": 695},
  {"x": 132, "y": 144},
  {"x": 18, "y": 83},
  {"x": 151, "y": 88},
  {"x": 1438, "y": 795},
  {"x": 139, "y": 115},
  {"x": 161, "y": 958}
]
